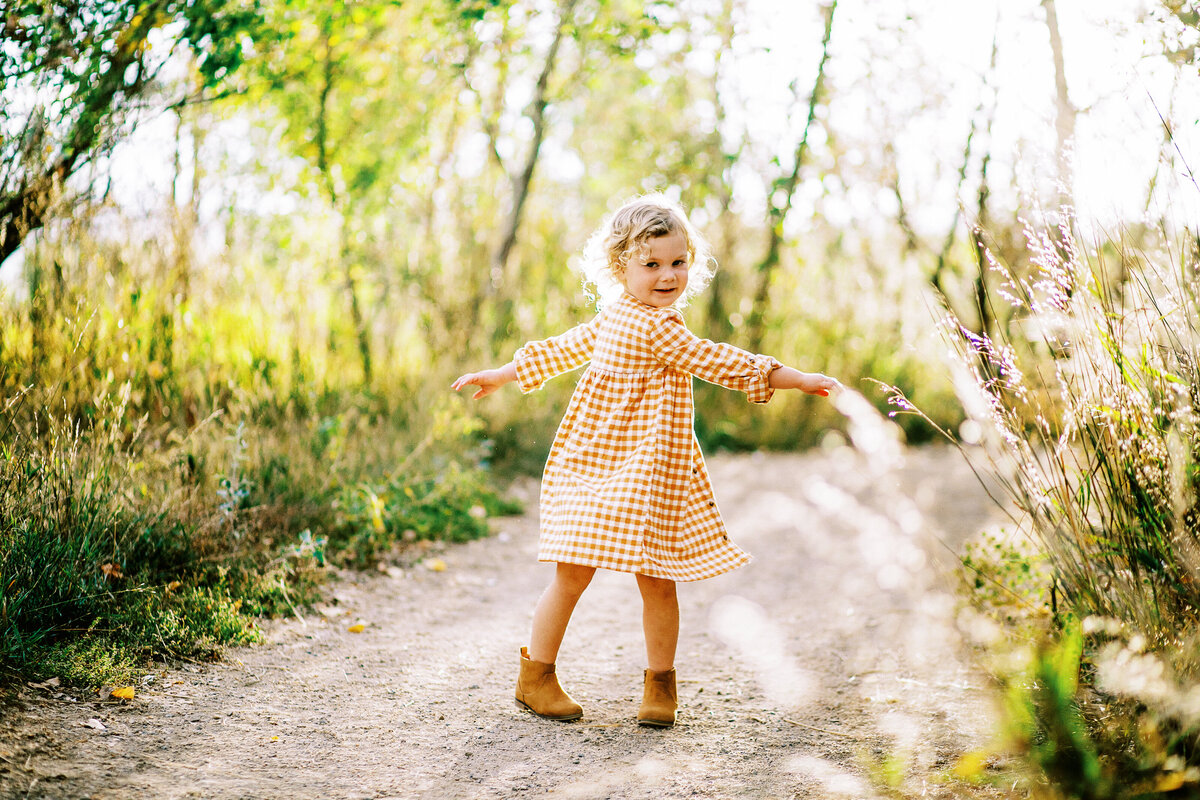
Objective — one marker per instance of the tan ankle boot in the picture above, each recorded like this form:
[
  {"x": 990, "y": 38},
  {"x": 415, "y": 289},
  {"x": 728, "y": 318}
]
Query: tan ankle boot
[
  {"x": 538, "y": 691},
  {"x": 659, "y": 700}
]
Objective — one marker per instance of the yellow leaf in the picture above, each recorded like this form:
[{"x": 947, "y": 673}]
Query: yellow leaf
[
  {"x": 123, "y": 693},
  {"x": 970, "y": 765},
  {"x": 274, "y": 738},
  {"x": 437, "y": 565},
  {"x": 357, "y": 628}
]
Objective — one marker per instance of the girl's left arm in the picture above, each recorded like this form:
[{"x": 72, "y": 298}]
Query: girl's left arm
[
  {"x": 807, "y": 382},
  {"x": 729, "y": 366}
]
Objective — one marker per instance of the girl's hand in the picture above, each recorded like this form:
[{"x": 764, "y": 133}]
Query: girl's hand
[
  {"x": 818, "y": 384},
  {"x": 810, "y": 382},
  {"x": 488, "y": 381}
]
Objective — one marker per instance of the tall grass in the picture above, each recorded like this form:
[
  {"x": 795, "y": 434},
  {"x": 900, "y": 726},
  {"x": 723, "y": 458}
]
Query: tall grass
[
  {"x": 1087, "y": 401},
  {"x": 163, "y": 480},
  {"x": 1093, "y": 396}
]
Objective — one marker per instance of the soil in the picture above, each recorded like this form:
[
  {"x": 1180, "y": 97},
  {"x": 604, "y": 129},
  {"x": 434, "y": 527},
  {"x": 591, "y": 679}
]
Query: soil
[{"x": 827, "y": 668}]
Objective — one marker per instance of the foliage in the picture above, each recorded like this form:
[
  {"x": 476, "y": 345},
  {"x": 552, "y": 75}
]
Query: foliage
[
  {"x": 1103, "y": 433},
  {"x": 1006, "y": 578},
  {"x": 73, "y": 74}
]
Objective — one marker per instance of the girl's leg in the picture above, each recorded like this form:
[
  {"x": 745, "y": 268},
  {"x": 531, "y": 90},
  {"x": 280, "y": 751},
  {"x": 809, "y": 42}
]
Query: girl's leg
[
  {"x": 553, "y": 610},
  {"x": 660, "y": 621}
]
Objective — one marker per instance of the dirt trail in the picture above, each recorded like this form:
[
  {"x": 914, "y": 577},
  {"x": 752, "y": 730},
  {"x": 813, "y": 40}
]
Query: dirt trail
[{"x": 833, "y": 649}]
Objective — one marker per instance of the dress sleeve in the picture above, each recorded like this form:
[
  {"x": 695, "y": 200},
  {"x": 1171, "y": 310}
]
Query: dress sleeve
[
  {"x": 715, "y": 362},
  {"x": 538, "y": 362}
]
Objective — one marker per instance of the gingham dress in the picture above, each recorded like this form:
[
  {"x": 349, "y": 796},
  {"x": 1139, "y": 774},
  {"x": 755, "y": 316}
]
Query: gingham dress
[{"x": 625, "y": 486}]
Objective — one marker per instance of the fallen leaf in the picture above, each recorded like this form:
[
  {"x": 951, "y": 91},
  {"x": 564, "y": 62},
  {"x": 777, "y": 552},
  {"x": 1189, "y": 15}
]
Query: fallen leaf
[
  {"x": 94, "y": 723},
  {"x": 971, "y": 765},
  {"x": 437, "y": 565},
  {"x": 357, "y": 628},
  {"x": 123, "y": 693},
  {"x": 111, "y": 571},
  {"x": 50, "y": 684},
  {"x": 173, "y": 585},
  {"x": 274, "y": 738}
]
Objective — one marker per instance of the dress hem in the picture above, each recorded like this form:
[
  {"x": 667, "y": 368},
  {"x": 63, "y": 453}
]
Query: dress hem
[{"x": 725, "y": 568}]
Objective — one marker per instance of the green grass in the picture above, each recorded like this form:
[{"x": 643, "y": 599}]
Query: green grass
[{"x": 120, "y": 545}]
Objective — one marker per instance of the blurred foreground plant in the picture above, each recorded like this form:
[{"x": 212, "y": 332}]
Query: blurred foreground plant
[{"x": 1087, "y": 404}]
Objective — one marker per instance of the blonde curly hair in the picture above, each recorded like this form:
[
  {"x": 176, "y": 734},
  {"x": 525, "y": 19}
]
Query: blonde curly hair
[{"x": 624, "y": 234}]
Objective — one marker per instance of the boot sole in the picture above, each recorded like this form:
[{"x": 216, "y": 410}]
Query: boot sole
[
  {"x": 653, "y": 723},
  {"x": 566, "y": 718}
]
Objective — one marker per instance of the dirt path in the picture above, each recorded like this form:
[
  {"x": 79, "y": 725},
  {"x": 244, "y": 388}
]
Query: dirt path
[{"x": 833, "y": 650}]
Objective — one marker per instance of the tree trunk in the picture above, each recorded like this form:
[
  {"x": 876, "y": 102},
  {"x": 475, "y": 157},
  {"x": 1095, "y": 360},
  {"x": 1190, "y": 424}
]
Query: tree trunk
[
  {"x": 778, "y": 213},
  {"x": 718, "y": 326},
  {"x": 24, "y": 209},
  {"x": 523, "y": 179},
  {"x": 342, "y": 206},
  {"x": 1065, "y": 113},
  {"x": 912, "y": 242},
  {"x": 361, "y": 334},
  {"x": 943, "y": 260},
  {"x": 982, "y": 301},
  {"x": 501, "y": 285}
]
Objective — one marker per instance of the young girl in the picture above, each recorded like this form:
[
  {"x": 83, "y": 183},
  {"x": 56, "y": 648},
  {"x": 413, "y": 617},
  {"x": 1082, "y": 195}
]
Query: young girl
[{"x": 625, "y": 486}]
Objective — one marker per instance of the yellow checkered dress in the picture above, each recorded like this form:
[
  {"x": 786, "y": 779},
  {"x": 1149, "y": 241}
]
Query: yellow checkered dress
[{"x": 625, "y": 486}]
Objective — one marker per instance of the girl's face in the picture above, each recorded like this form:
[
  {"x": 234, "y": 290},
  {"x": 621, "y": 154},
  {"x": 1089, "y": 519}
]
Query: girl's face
[{"x": 659, "y": 273}]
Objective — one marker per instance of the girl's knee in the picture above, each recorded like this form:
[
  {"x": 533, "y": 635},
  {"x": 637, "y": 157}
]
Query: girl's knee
[
  {"x": 658, "y": 588},
  {"x": 573, "y": 578}
]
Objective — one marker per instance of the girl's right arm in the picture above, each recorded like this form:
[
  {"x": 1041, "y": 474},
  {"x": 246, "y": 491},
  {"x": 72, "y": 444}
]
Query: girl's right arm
[{"x": 536, "y": 362}]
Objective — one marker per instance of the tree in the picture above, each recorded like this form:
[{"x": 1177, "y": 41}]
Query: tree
[
  {"x": 779, "y": 201},
  {"x": 74, "y": 72},
  {"x": 357, "y": 88},
  {"x": 537, "y": 115},
  {"x": 1065, "y": 111}
]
